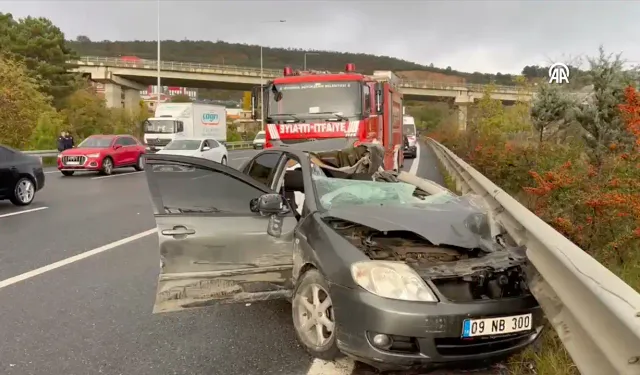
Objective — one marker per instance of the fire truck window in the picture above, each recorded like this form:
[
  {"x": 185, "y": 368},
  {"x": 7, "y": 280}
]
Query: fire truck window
[
  {"x": 366, "y": 91},
  {"x": 325, "y": 97},
  {"x": 263, "y": 167}
]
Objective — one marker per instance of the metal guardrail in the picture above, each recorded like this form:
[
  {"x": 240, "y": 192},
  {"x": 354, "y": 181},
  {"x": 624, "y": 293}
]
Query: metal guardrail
[
  {"x": 596, "y": 315},
  {"x": 241, "y": 145},
  {"x": 269, "y": 73}
]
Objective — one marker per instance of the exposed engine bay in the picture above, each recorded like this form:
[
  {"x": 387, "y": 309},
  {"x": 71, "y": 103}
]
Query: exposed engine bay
[{"x": 460, "y": 275}]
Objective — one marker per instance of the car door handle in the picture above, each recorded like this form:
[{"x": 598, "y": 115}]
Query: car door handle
[{"x": 178, "y": 231}]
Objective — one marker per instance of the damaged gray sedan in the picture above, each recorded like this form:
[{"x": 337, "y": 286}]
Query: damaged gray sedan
[{"x": 387, "y": 268}]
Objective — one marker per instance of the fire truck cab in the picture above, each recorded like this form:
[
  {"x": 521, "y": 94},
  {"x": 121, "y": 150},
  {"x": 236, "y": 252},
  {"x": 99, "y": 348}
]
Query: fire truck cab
[{"x": 303, "y": 106}]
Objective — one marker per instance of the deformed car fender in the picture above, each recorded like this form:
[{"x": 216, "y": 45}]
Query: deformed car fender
[{"x": 323, "y": 248}]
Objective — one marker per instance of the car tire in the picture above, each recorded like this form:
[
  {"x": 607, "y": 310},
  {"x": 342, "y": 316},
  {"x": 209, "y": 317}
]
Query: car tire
[
  {"x": 24, "y": 192},
  {"x": 107, "y": 166},
  {"x": 67, "y": 173},
  {"x": 139, "y": 163},
  {"x": 309, "y": 284},
  {"x": 224, "y": 160}
]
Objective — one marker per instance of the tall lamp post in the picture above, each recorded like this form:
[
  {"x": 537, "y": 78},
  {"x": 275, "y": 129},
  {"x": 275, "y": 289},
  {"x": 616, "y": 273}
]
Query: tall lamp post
[
  {"x": 158, "y": 60},
  {"x": 262, "y": 79},
  {"x": 305, "y": 58}
]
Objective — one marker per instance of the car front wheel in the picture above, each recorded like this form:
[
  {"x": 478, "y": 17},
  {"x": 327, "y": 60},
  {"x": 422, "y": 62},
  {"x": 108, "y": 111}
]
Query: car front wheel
[
  {"x": 107, "y": 166},
  {"x": 224, "y": 160},
  {"x": 313, "y": 317}
]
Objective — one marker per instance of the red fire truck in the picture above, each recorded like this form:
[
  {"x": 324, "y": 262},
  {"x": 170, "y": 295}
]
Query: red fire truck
[{"x": 312, "y": 105}]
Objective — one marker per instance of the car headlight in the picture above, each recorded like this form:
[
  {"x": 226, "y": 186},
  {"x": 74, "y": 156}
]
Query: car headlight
[
  {"x": 96, "y": 155},
  {"x": 393, "y": 280}
]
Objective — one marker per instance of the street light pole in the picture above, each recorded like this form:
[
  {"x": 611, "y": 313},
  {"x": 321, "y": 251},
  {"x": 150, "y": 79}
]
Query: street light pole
[
  {"x": 261, "y": 93},
  {"x": 305, "y": 58},
  {"x": 262, "y": 80},
  {"x": 158, "y": 60}
]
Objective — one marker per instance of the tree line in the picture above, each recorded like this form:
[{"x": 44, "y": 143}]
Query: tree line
[
  {"x": 224, "y": 53},
  {"x": 40, "y": 96}
]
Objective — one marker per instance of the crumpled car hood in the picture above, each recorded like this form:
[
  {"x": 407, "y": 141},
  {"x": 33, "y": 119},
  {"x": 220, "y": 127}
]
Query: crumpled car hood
[{"x": 442, "y": 226}]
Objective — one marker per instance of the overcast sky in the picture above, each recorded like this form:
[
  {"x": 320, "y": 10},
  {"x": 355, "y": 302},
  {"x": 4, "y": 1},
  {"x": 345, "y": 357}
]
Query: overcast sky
[{"x": 486, "y": 36}]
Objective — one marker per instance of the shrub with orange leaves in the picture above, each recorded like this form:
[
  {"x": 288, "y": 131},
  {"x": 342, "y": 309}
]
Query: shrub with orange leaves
[{"x": 598, "y": 208}]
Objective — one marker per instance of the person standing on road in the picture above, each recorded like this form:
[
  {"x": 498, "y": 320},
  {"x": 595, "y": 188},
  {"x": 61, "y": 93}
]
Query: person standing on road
[
  {"x": 68, "y": 141},
  {"x": 62, "y": 141}
]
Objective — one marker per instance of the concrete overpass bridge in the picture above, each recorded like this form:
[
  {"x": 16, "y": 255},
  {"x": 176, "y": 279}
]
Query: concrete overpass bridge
[{"x": 123, "y": 79}]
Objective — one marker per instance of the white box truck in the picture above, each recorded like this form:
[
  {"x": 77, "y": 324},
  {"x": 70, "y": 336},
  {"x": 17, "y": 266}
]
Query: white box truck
[{"x": 173, "y": 120}]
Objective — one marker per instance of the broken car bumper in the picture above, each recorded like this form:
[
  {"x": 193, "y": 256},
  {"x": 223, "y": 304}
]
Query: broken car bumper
[{"x": 425, "y": 335}]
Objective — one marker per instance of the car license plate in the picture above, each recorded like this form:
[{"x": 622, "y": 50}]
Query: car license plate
[
  {"x": 73, "y": 163},
  {"x": 496, "y": 326}
]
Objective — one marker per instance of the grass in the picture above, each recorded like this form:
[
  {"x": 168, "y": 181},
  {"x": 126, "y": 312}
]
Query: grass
[{"x": 547, "y": 356}]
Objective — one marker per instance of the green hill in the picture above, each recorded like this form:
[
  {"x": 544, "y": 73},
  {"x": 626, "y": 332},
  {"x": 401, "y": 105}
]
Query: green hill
[{"x": 274, "y": 58}]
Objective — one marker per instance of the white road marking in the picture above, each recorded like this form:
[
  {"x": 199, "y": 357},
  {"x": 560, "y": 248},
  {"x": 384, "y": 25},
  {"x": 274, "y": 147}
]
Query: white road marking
[
  {"x": 414, "y": 164},
  {"x": 246, "y": 157},
  {"x": 47, "y": 172},
  {"x": 75, "y": 258},
  {"x": 116, "y": 175},
  {"x": 23, "y": 212},
  {"x": 343, "y": 366}
]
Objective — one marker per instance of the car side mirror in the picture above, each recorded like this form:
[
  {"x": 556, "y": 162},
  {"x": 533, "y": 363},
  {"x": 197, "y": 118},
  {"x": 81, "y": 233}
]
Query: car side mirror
[
  {"x": 275, "y": 206},
  {"x": 271, "y": 204},
  {"x": 115, "y": 147},
  {"x": 206, "y": 148}
]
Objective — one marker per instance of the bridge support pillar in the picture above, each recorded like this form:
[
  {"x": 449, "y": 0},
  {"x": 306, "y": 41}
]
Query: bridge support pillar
[
  {"x": 462, "y": 110},
  {"x": 131, "y": 99},
  {"x": 121, "y": 97},
  {"x": 114, "y": 95},
  {"x": 462, "y": 105}
]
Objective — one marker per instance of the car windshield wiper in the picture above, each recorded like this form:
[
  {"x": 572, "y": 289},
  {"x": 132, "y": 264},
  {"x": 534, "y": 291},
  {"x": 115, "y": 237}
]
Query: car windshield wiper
[
  {"x": 335, "y": 114},
  {"x": 290, "y": 115},
  {"x": 190, "y": 210}
]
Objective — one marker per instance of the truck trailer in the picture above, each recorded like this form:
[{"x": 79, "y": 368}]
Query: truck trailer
[{"x": 172, "y": 120}]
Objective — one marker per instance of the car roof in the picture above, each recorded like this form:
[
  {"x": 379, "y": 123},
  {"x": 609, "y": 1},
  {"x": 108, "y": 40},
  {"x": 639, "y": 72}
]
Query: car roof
[{"x": 191, "y": 138}]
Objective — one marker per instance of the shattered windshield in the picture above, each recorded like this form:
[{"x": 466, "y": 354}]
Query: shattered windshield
[{"x": 337, "y": 192}]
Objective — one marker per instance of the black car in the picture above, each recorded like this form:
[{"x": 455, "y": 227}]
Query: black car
[
  {"x": 21, "y": 176},
  {"x": 390, "y": 269}
]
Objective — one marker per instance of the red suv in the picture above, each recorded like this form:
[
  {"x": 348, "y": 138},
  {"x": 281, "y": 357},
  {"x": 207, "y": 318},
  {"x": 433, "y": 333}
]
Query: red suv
[{"x": 103, "y": 153}]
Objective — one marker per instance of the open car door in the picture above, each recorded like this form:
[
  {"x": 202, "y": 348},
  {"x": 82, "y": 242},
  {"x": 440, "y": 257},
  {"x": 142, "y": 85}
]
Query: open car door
[{"x": 213, "y": 247}]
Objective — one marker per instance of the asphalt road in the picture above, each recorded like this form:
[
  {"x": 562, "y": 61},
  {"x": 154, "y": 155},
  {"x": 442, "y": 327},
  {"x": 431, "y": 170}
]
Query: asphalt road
[{"x": 67, "y": 316}]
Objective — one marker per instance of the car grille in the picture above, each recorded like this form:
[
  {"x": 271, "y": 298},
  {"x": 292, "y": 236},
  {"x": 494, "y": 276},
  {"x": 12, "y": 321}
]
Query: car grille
[
  {"x": 158, "y": 142},
  {"x": 74, "y": 159},
  {"x": 456, "y": 346}
]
